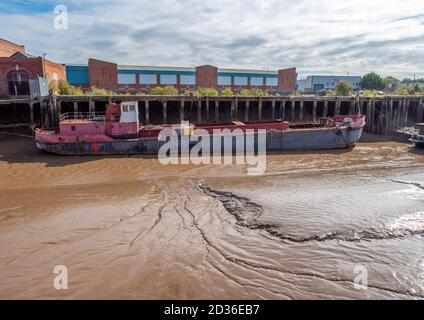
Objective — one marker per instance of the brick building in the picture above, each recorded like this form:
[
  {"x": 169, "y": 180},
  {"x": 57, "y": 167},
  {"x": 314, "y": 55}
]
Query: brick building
[
  {"x": 18, "y": 68},
  {"x": 134, "y": 79}
]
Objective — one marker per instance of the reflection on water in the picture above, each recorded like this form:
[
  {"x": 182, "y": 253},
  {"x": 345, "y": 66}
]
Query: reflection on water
[{"x": 128, "y": 227}]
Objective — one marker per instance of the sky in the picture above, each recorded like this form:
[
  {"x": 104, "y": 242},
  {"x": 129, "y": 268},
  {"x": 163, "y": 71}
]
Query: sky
[{"x": 316, "y": 36}]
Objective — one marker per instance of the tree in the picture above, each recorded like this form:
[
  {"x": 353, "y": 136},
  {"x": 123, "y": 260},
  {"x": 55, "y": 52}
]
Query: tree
[
  {"x": 372, "y": 81},
  {"x": 391, "y": 82},
  {"x": 343, "y": 88},
  {"x": 164, "y": 91}
]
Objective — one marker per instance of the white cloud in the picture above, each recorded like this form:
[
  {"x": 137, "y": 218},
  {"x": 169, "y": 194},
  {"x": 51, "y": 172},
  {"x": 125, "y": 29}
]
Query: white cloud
[{"x": 319, "y": 36}]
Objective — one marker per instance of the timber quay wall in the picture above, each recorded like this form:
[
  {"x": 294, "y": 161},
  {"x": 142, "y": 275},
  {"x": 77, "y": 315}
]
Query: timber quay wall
[{"x": 384, "y": 115}]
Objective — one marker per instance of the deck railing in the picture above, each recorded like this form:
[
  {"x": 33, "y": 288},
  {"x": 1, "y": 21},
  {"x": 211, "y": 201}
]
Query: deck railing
[{"x": 91, "y": 116}]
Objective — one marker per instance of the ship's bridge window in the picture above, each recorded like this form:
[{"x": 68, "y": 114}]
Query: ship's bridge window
[
  {"x": 124, "y": 108},
  {"x": 132, "y": 108}
]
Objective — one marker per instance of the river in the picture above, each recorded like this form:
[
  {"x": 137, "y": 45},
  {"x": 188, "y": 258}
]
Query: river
[{"x": 131, "y": 228}]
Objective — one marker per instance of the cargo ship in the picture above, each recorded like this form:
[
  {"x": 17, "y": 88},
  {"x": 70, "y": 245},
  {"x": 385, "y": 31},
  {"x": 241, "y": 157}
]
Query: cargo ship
[{"x": 119, "y": 131}]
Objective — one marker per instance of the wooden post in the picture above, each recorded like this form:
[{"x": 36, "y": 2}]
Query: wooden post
[
  {"x": 293, "y": 103},
  {"x": 420, "y": 113},
  {"x": 51, "y": 115},
  {"x": 283, "y": 110},
  {"x": 42, "y": 112},
  {"x": 301, "y": 110},
  {"x": 75, "y": 107},
  {"x": 387, "y": 117},
  {"x": 391, "y": 115},
  {"x": 31, "y": 112},
  {"x": 325, "y": 109},
  {"x": 337, "y": 111},
  {"x": 260, "y": 109},
  {"x": 182, "y": 107},
  {"x": 91, "y": 106},
  {"x": 199, "y": 111},
  {"x": 273, "y": 109},
  {"x": 164, "y": 111},
  {"x": 59, "y": 109},
  {"x": 352, "y": 107},
  {"x": 207, "y": 109},
  {"x": 216, "y": 110},
  {"x": 246, "y": 111},
  {"x": 232, "y": 109},
  {"x": 147, "y": 111},
  {"x": 314, "y": 111},
  {"x": 405, "y": 120}
]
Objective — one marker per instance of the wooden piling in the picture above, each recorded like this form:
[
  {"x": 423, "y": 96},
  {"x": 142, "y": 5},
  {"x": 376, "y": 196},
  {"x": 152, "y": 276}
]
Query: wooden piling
[
  {"x": 325, "y": 109},
  {"x": 293, "y": 104},
  {"x": 207, "y": 109},
  {"x": 301, "y": 111},
  {"x": 260, "y": 109},
  {"x": 147, "y": 111},
  {"x": 216, "y": 110},
  {"x": 164, "y": 111}
]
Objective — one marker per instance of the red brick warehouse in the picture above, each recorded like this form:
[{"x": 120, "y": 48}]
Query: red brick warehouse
[
  {"x": 134, "y": 79},
  {"x": 18, "y": 67}
]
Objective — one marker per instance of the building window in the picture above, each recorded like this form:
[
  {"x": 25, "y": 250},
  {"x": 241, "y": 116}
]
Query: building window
[
  {"x": 126, "y": 79},
  {"x": 240, "y": 81},
  {"x": 168, "y": 79},
  {"x": 224, "y": 80},
  {"x": 187, "y": 80},
  {"x": 256, "y": 81},
  {"x": 18, "y": 83},
  {"x": 271, "y": 81},
  {"x": 148, "y": 79}
]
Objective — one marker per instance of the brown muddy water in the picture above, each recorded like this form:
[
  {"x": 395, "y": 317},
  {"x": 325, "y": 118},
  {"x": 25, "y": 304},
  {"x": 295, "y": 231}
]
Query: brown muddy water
[{"x": 130, "y": 228}]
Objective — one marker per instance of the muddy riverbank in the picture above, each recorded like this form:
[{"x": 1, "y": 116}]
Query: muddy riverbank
[{"x": 129, "y": 227}]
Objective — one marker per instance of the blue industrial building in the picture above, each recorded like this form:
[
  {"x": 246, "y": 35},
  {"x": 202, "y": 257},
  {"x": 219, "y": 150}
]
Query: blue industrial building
[{"x": 315, "y": 84}]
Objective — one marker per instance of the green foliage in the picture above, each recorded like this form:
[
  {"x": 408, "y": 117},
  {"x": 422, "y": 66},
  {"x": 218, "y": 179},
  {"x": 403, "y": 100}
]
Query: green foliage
[
  {"x": 65, "y": 89},
  {"x": 372, "y": 81},
  {"x": 410, "y": 90},
  {"x": 370, "y": 93},
  {"x": 164, "y": 91},
  {"x": 343, "y": 88},
  {"x": 391, "y": 82},
  {"x": 226, "y": 92},
  {"x": 329, "y": 93},
  {"x": 199, "y": 92},
  {"x": 53, "y": 87},
  {"x": 98, "y": 92},
  {"x": 255, "y": 92},
  {"x": 410, "y": 81},
  {"x": 403, "y": 91}
]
